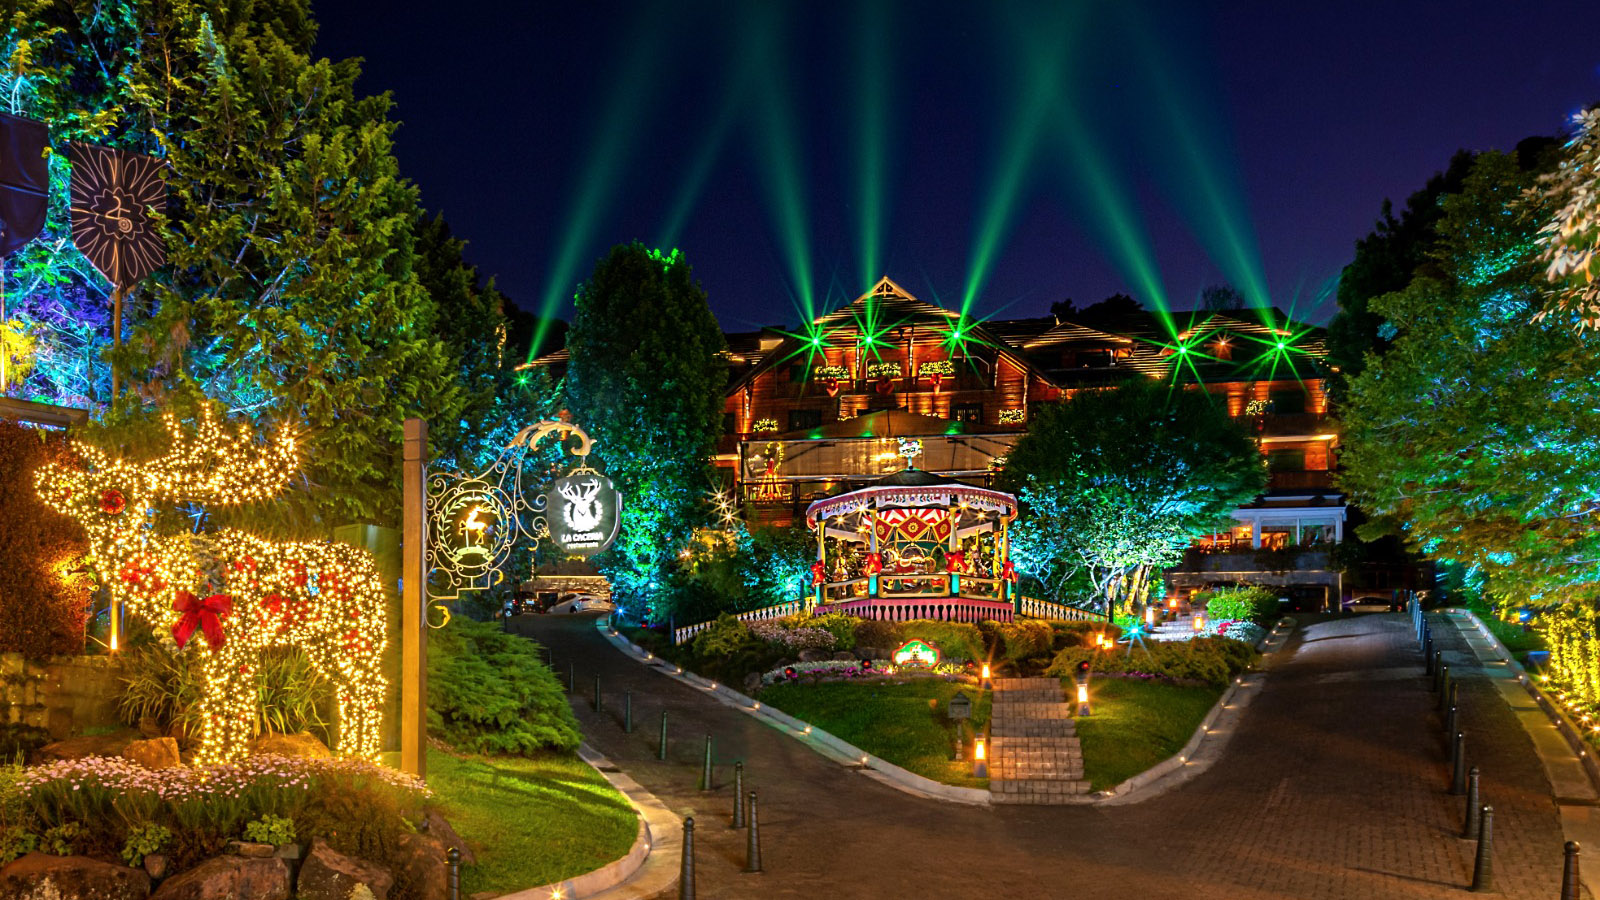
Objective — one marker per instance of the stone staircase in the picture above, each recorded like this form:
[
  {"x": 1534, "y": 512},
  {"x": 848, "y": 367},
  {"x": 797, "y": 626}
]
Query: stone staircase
[{"x": 1033, "y": 743}]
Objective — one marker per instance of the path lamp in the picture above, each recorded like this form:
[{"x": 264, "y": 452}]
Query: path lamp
[
  {"x": 980, "y": 759},
  {"x": 1083, "y": 688},
  {"x": 960, "y": 709}
]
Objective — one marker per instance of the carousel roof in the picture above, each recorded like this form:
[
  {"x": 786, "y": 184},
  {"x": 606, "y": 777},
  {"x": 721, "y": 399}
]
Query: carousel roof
[{"x": 912, "y": 489}]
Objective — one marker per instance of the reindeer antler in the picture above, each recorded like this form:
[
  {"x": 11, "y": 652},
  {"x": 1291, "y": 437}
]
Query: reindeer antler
[{"x": 217, "y": 465}]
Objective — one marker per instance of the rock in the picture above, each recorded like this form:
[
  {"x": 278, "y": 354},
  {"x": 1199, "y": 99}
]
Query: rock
[
  {"x": 287, "y": 851},
  {"x": 301, "y": 744},
  {"x": 229, "y": 878},
  {"x": 844, "y": 656},
  {"x": 419, "y": 864},
  {"x": 815, "y": 655},
  {"x": 150, "y": 728},
  {"x": 435, "y": 825},
  {"x": 329, "y": 875},
  {"x": 752, "y": 682},
  {"x": 250, "y": 850},
  {"x": 40, "y": 876},
  {"x": 870, "y": 653},
  {"x": 156, "y": 865},
  {"x": 88, "y": 745},
  {"x": 156, "y": 753}
]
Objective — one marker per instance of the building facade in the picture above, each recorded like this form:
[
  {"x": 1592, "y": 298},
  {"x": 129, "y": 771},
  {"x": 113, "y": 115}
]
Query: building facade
[{"x": 827, "y": 408}]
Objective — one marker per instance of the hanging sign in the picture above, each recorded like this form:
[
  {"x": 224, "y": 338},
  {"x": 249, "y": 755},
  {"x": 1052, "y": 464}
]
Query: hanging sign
[{"x": 584, "y": 512}]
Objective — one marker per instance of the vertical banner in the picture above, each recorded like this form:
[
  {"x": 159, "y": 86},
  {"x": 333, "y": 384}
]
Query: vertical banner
[
  {"x": 113, "y": 194},
  {"x": 24, "y": 181}
]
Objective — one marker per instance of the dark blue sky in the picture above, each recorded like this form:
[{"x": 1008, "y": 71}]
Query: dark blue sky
[{"x": 1029, "y": 151}]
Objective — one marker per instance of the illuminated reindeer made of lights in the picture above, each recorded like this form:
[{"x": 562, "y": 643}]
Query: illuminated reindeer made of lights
[{"x": 242, "y": 593}]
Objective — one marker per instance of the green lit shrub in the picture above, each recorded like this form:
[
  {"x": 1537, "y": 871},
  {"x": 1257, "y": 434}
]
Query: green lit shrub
[
  {"x": 1249, "y": 603},
  {"x": 1024, "y": 639},
  {"x": 144, "y": 839},
  {"x": 1078, "y": 634},
  {"x": 841, "y": 626},
  {"x": 955, "y": 640},
  {"x": 1207, "y": 660},
  {"x": 269, "y": 829},
  {"x": 723, "y": 637},
  {"x": 879, "y": 634},
  {"x": 489, "y": 692}
]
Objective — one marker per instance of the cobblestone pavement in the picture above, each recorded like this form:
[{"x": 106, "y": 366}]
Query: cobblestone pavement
[{"x": 1334, "y": 786}]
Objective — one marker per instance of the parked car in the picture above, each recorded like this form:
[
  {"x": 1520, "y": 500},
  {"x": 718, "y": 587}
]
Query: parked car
[{"x": 582, "y": 603}]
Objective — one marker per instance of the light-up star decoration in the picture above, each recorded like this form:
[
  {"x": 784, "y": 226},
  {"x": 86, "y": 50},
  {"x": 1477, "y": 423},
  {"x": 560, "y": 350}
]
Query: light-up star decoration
[{"x": 113, "y": 196}]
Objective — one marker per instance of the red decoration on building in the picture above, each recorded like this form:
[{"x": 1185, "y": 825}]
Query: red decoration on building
[
  {"x": 818, "y": 572},
  {"x": 874, "y": 563},
  {"x": 207, "y": 615},
  {"x": 955, "y": 562},
  {"x": 1009, "y": 571}
]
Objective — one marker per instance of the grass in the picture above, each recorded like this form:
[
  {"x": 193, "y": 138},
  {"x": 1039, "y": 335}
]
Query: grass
[
  {"x": 533, "y": 821},
  {"x": 1137, "y": 723},
  {"x": 893, "y": 721}
]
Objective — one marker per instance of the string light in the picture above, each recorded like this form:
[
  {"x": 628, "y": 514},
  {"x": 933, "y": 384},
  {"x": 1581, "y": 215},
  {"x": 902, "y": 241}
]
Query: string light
[{"x": 243, "y": 593}]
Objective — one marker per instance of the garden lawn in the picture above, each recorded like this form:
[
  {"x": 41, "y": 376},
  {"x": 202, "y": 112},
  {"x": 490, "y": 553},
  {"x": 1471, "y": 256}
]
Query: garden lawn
[
  {"x": 1136, "y": 723},
  {"x": 533, "y": 821},
  {"x": 889, "y": 720}
]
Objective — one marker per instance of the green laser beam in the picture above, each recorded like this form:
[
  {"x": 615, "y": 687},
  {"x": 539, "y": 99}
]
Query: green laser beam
[
  {"x": 873, "y": 51},
  {"x": 600, "y": 181}
]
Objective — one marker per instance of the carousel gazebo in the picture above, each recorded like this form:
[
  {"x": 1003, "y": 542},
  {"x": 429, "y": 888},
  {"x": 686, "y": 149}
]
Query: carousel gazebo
[{"x": 914, "y": 545}]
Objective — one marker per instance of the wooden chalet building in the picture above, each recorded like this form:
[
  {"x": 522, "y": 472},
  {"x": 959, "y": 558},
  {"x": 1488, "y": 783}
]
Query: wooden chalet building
[{"x": 824, "y": 409}]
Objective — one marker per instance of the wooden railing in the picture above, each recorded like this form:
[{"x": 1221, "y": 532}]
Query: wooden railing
[
  {"x": 778, "y": 611},
  {"x": 1044, "y": 609}
]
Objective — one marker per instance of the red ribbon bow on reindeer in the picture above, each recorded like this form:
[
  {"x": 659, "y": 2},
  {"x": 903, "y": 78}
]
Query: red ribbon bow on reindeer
[
  {"x": 817, "y": 572},
  {"x": 1009, "y": 572},
  {"x": 207, "y": 615}
]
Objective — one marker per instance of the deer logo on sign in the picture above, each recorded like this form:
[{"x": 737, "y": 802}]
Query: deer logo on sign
[{"x": 582, "y": 512}]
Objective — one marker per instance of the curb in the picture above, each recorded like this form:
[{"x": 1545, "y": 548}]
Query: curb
[
  {"x": 1564, "y": 724},
  {"x": 1206, "y": 734},
  {"x": 821, "y": 742},
  {"x": 656, "y": 871}
]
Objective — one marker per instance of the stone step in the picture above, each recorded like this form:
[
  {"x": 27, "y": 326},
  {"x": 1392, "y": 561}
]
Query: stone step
[
  {"x": 1024, "y": 684},
  {"x": 1030, "y": 711},
  {"x": 1010, "y": 698},
  {"x": 1035, "y": 728},
  {"x": 1035, "y": 791}
]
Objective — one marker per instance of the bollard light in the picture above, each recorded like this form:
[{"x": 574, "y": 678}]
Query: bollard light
[
  {"x": 1083, "y": 693},
  {"x": 1199, "y": 623},
  {"x": 985, "y": 671},
  {"x": 980, "y": 760}
]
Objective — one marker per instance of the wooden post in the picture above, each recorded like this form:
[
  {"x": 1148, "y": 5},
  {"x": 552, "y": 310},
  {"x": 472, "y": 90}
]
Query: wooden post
[
  {"x": 413, "y": 605},
  {"x": 117, "y": 294}
]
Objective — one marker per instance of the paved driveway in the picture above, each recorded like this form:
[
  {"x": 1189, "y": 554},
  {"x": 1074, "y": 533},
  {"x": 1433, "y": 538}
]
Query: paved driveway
[{"x": 1333, "y": 787}]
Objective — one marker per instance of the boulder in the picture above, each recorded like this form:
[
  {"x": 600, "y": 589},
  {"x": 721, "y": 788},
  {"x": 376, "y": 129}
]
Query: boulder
[
  {"x": 815, "y": 655},
  {"x": 150, "y": 728},
  {"x": 88, "y": 745},
  {"x": 229, "y": 878},
  {"x": 155, "y": 753},
  {"x": 419, "y": 865},
  {"x": 156, "y": 865},
  {"x": 871, "y": 653},
  {"x": 328, "y": 874},
  {"x": 301, "y": 744},
  {"x": 752, "y": 682},
  {"x": 40, "y": 876},
  {"x": 844, "y": 656},
  {"x": 250, "y": 850},
  {"x": 435, "y": 825}
]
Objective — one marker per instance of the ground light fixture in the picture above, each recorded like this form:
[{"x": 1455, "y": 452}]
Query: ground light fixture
[
  {"x": 1083, "y": 687},
  {"x": 980, "y": 759}
]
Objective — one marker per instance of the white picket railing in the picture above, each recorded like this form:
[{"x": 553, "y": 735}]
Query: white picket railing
[
  {"x": 791, "y": 608},
  {"x": 1044, "y": 609}
]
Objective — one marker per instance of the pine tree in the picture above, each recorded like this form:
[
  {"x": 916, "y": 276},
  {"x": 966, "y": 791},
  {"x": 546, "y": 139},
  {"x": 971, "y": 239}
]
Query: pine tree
[{"x": 646, "y": 380}]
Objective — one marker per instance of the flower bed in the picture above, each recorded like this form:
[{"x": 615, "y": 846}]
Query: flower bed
[
  {"x": 836, "y": 670},
  {"x": 108, "y": 807}
]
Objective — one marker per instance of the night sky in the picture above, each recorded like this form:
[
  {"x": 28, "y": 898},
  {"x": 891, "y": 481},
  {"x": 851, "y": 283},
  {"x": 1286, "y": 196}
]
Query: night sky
[{"x": 998, "y": 155}]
